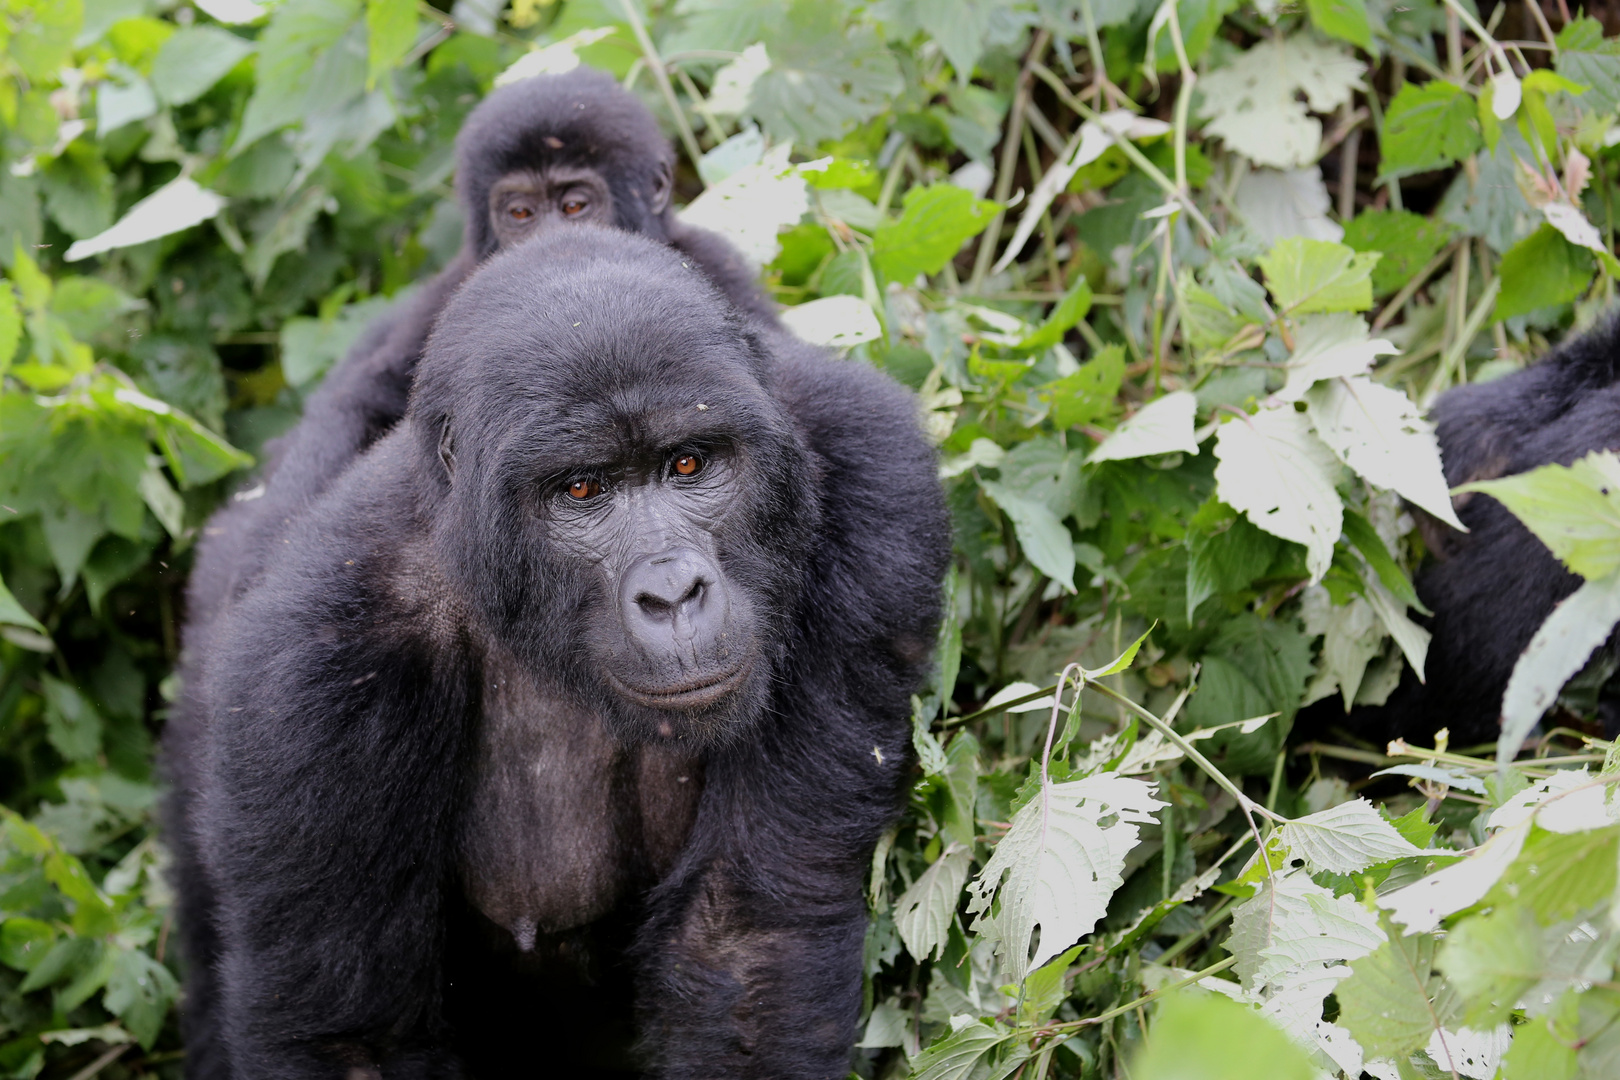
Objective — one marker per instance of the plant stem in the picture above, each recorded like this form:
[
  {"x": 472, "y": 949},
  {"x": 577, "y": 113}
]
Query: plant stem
[{"x": 661, "y": 77}]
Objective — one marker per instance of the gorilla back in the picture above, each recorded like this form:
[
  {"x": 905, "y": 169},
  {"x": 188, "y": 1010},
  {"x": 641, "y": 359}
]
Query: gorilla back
[{"x": 589, "y": 681}]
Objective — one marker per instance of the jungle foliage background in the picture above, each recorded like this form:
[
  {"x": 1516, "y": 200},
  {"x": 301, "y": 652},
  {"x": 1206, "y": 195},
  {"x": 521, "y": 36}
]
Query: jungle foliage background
[{"x": 1173, "y": 280}]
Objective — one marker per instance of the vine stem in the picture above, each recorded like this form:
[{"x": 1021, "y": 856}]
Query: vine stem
[
  {"x": 1151, "y": 995},
  {"x": 661, "y": 77}
]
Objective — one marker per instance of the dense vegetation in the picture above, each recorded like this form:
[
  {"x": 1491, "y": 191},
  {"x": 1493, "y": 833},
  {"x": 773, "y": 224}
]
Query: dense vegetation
[{"x": 1173, "y": 282}]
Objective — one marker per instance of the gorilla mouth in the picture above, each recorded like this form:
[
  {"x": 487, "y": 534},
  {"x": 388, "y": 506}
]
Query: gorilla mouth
[{"x": 697, "y": 693}]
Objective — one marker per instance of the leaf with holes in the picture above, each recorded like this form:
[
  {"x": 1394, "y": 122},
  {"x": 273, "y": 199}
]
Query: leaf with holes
[{"x": 1281, "y": 476}]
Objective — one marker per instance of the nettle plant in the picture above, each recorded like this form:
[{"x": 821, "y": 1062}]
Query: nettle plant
[{"x": 1175, "y": 284}]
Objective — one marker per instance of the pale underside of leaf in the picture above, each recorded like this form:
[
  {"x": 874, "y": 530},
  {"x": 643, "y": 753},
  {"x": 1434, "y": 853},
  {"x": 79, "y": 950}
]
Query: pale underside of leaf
[
  {"x": 1559, "y": 649},
  {"x": 177, "y": 205},
  {"x": 924, "y": 912},
  {"x": 1330, "y": 346},
  {"x": 1278, "y": 473},
  {"x": 1378, "y": 432},
  {"x": 1345, "y": 839},
  {"x": 1163, "y": 426},
  {"x": 753, "y": 204}
]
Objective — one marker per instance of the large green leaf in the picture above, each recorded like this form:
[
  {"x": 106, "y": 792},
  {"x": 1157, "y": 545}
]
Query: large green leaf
[
  {"x": 300, "y": 32},
  {"x": 193, "y": 60},
  {"x": 934, "y": 224},
  {"x": 1427, "y": 126},
  {"x": 1540, "y": 271}
]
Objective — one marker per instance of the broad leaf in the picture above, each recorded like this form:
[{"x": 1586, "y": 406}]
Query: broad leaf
[
  {"x": 1344, "y": 839},
  {"x": 752, "y": 205},
  {"x": 1560, "y": 648},
  {"x": 1208, "y": 1037},
  {"x": 1318, "y": 275},
  {"x": 1276, "y": 471},
  {"x": 924, "y": 912},
  {"x": 1292, "y": 922},
  {"x": 1057, "y": 867},
  {"x": 835, "y": 321},
  {"x": 1163, "y": 426},
  {"x": 1330, "y": 347},
  {"x": 1343, "y": 19},
  {"x": 1089, "y": 393},
  {"x": 1542, "y": 270},
  {"x": 1378, "y": 432},
  {"x": 1573, "y": 509},
  {"x": 934, "y": 224},
  {"x": 1393, "y": 1001},
  {"x": 193, "y": 60},
  {"x": 1252, "y": 101},
  {"x": 298, "y": 34},
  {"x": 1406, "y": 241},
  {"x": 1046, "y": 541},
  {"x": 390, "y": 31},
  {"x": 177, "y": 205},
  {"x": 1427, "y": 126}
]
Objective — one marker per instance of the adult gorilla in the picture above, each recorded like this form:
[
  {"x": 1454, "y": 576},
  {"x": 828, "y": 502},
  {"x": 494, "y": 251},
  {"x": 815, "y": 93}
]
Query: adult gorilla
[
  {"x": 616, "y": 628},
  {"x": 544, "y": 153}
]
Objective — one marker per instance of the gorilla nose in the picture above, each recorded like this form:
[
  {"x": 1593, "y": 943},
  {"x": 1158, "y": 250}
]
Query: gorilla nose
[{"x": 675, "y": 599}]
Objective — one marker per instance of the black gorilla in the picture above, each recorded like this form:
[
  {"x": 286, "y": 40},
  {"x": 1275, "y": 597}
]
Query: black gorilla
[
  {"x": 594, "y": 670},
  {"x": 549, "y": 151},
  {"x": 1491, "y": 588}
]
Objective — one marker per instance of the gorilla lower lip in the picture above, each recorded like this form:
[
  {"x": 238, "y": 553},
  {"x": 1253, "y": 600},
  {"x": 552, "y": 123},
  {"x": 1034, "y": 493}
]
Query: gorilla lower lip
[{"x": 696, "y": 694}]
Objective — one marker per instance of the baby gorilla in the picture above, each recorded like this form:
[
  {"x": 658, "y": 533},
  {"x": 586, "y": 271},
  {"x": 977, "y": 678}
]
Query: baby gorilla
[{"x": 589, "y": 679}]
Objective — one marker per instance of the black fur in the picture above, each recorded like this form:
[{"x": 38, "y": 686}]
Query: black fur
[
  {"x": 1491, "y": 588},
  {"x": 354, "y": 710}
]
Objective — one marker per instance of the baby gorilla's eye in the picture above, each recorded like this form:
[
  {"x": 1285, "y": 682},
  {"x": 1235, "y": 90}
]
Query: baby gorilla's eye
[
  {"x": 519, "y": 213},
  {"x": 574, "y": 205},
  {"x": 688, "y": 465},
  {"x": 584, "y": 489}
]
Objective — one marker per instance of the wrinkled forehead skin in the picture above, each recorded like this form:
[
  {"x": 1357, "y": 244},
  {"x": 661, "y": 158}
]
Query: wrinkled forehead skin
[
  {"x": 592, "y": 348},
  {"x": 579, "y": 118}
]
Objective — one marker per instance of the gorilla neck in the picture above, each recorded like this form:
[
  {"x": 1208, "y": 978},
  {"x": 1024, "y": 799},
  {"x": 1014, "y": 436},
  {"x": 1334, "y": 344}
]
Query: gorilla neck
[{"x": 564, "y": 821}]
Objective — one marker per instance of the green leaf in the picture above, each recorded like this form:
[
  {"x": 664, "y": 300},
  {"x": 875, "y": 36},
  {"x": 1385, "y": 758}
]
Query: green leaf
[
  {"x": 934, "y": 224},
  {"x": 79, "y": 190},
  {"x": 139, "y": 992},
  {"x": 390, "y": 32},
  {"x": 1592, "y": 60},
  {"x": 1070, "y": 310},
  {"x": 1559, "y": 648},
  {"x": 1493, "y": 959},
  {"x": 1089, "y": 393},
  {"x": 924, "y": 913},
  {"x": 25, "y": 942},
  {"x": 1344, "y": 839},
  {"x": 1406, "y": 241},
  {"x": 1558, "y": 876},
  {"x": 61, "y": 961},
  {"x": 1205, "y": 1036},
  {"x": 10, "y": 325},
  {"x": 1393, "y": 1000},
  {"x": 1544, "y": 1047},
  {"x": 1426, "y": 127},
  {"x": 1343, "y": 19},
  {"x": 1046, "y": 541},
  {"x": 1573, "y": 509},
  {"x": 193, "y": 60},
  {"x": 14, "y": 614},
  {"x": 1123, "y": 660},
  {"x": 825, "y": 76},
  {"x": 959, "y": 1054},
  {"x": 71, "y": 723},
  {"x": 42, "y": 36},
  {"x": 1225, "y": 553},
  {"x": 1360, "y": 532},
  {"x": 1542, "y": 270},
  {"x": 300, "y": 31},
  {"x": 1318, "y": 275},
  {"x": 1275, "y": 470}
]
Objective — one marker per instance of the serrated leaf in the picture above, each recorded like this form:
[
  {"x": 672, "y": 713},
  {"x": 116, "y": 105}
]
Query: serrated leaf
[
  {"x": 1276, "y": 471},
  {"x": 1560, "y": 876},
  {"x": 1291, "y": 922},
  {"x": 1162, "y": 426},
  {"x": 834, "y": 321},
  {"x": 1122, "y": 661},
  {"x": 1343, "y": 19},
  {"x": 934, "y": 223},
  {"x": 753, "y": 204},
  {"x": 1086, "y": 394},
  {"x": 1068, "y": 311},
  {"x": 1046, "y": 541},
  {"x": 1420, "y": 906},
  {"x": 193, "y": 59},
  {"x": 824, "y": 76},
  {"x": 1351, "y": 638},
  {"x": 1406, "y": 240},
  {"x": 924, "y": 912},
  {"x": 1428, "y": 126},
  {"x": 1592, "y": 60},
  {"x": 1561, "y": 646},
  {"x": 1344, "y": 839},
  {"x": 1573, "y": 509},
  {"x": 390, "y": 31},
  {"x": 1206, "y": 1036},
  {"x": 1393, "y": 1002},
  {"x": 1056, "y": 867},
  {"x": 1306, "y": 275},
  {"x": 1378, "y": 432},
  {"x": 1361, "y": 534},
  {"x": 177, "y": 205},
  {"x": 1252, "y": 102},
  {"x": 959, "y": 1053},
  {"x": 300, "y": 31},
  {"x": 1542, "y": 270},
  {"x": 1330, "y": 347}
]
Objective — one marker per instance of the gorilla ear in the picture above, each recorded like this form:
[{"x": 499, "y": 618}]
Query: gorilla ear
[
  {"x": 663, "y": 184},
  {"x": 447, "y": 449}
]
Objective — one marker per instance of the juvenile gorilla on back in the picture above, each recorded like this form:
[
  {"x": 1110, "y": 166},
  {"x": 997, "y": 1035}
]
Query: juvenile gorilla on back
[{"x": 594, "y": 671}]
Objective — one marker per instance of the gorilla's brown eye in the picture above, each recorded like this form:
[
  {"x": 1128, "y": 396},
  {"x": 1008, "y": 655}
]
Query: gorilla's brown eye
[
  {"x": 688, "y": 465},
  {"x": 520, "y": 213},
  {"x": 584, "y": 489},
  {"x": 573, "y": 206}
]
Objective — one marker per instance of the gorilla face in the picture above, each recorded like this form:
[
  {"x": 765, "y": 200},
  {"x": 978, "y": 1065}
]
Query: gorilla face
[
  {"x": 531, "y": 201},
  {"x": 627, "y": 503}
]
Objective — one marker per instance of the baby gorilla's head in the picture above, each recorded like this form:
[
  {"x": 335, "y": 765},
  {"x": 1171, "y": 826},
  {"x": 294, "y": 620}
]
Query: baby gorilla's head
[{"x": 625, "y": 503}]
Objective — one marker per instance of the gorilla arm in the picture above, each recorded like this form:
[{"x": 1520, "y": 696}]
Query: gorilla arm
[
  {"x": 756, "y": 938},
  {"x": 338, "y": 710}
]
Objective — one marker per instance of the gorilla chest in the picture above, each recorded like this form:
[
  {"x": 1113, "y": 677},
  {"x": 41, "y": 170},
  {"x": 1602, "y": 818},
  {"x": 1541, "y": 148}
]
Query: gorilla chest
[{"x": 564, "y": 822}]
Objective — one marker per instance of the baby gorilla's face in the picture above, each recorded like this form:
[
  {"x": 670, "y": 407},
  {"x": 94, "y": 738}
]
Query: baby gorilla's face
[
  {"x": 529, "y": 202},
  {"x": 670, "y": 634}
]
